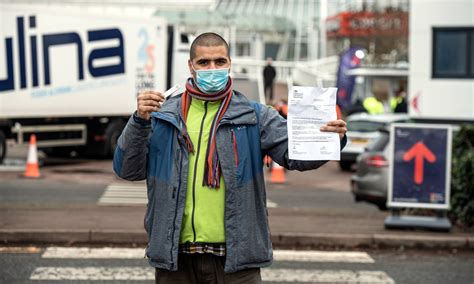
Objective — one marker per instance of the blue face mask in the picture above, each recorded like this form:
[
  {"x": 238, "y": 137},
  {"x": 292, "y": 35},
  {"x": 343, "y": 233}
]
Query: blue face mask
[{"x": 211, "y": 81}]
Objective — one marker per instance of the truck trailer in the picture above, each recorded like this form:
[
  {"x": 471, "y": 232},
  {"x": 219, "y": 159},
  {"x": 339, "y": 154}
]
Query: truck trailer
[
  {"x": 441, "y": 75},
  {"x": 71, "y": 78}
]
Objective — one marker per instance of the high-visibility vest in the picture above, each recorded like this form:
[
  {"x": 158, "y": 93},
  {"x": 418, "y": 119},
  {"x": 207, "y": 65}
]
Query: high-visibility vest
[{"x": 374, "y": 106}]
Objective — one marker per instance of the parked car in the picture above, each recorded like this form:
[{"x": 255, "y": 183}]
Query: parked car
[
  {"x": 370, "y": 181},
  {"x": 362, "y": 130}
]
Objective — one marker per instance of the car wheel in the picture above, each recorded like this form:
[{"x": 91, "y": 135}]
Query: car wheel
[
  {"x": 345, "y": 165},
  {"x": 382, "y": 207}
]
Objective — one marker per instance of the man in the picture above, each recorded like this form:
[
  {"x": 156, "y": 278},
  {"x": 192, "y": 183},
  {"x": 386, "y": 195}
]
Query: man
[
  {"x": 269, "y": 75},
  {"x": 201, "y": 154}
]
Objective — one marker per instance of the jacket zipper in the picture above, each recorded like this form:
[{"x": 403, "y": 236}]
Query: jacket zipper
[
  {"x": 195, "y": 167},
  {"x": 176, "y": 208}
]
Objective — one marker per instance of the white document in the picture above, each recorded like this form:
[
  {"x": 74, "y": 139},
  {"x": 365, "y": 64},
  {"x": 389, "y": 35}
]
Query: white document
[{"x": 309, "y": 108}]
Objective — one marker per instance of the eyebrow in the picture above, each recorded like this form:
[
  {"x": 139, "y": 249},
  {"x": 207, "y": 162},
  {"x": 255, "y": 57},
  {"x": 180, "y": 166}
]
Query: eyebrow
[{"x": 211, "y": 59}]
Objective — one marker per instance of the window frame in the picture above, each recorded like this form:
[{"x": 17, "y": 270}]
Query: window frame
[{"x": 469, "y": 72}]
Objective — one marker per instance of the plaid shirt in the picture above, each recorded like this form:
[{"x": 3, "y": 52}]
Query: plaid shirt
[{"x": 217, "y": 249}]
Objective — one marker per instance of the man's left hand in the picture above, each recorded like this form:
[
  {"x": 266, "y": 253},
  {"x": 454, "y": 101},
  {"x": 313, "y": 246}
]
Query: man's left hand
[{"x": 337, "y": 126}]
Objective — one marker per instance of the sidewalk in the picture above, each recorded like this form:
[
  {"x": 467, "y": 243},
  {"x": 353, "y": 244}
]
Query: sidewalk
[{"x": 291, "y": 227}]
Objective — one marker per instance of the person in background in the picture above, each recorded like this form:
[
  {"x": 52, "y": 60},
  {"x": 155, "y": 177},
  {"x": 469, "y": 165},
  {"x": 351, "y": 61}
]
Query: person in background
[
  {"x": 400, "y": 101},
  {"x": 379, "y": 103},
  {"x": 269, "y": 74}
]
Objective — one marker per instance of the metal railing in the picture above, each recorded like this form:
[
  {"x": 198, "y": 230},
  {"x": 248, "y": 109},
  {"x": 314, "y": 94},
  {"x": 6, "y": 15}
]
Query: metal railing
[{"x": 321, "y": 72}]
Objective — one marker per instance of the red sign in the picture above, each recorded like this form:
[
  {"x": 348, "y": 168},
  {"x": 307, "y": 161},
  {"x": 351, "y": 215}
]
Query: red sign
[{"x": 361, "y": 24}]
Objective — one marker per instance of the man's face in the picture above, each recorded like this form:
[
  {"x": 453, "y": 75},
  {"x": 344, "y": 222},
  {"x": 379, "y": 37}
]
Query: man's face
[{"x": 209, "y": 57}]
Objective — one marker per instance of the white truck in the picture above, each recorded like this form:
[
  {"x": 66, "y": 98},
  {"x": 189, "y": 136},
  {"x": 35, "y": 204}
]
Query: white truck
[
  {"x": 71, "y": 78},
  {"x": 441, "y": 75}
]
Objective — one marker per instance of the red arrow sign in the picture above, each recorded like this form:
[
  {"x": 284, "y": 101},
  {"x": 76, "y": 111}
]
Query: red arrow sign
[{"x": 419, "y": 152}]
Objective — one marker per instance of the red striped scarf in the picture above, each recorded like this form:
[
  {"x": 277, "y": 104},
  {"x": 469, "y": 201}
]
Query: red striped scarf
[{"x": 212, "y": 167}]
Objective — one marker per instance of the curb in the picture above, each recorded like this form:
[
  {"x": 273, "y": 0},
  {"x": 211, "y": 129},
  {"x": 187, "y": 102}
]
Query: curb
[
  {"x": 70, "y": 237},
  {"x": 372, "y": 241},
  {"x": 416, "y": 241},
  {"x": 281, "y": 240},
  {"x": 321, "y": 240}
]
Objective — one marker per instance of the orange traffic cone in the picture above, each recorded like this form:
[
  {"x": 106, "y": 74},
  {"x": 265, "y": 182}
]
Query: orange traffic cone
[
  {"x": 277, "y": 174},
  {"x": 32, "y": 167}
]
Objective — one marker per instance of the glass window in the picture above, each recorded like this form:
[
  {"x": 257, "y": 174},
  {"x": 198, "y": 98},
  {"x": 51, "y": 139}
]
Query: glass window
[
  {"x": 472, "y": 53},
  {"x": 453, "y": 52},
  {"x": 450, "y": 53}
]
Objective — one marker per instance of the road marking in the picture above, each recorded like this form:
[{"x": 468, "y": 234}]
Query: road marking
[
  {"x": 271, "y": 204},
  {"x": 94, "y": 253},
  {"x": 325, "y": 276},
  {"x": 322, "y": 256},
  {"x": 268, "y": 274},
  {"x": 124, "y": 194},
  {"x": 93, "y": 273},
  {"x": 136, "y": 253},
  {"x": 129, "y": 194}
]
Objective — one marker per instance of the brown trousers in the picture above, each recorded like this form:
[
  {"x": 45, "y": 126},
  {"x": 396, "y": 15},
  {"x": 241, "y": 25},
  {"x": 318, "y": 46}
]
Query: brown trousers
[{"x": 205, "y": 268}]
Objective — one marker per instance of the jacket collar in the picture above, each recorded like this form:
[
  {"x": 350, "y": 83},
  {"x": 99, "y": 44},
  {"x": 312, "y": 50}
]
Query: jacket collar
[{"x": 240, "y": 111}]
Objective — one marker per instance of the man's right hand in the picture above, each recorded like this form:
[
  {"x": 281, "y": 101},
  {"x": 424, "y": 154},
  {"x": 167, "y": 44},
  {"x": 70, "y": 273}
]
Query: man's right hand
[{"x": 148, "y": 102}]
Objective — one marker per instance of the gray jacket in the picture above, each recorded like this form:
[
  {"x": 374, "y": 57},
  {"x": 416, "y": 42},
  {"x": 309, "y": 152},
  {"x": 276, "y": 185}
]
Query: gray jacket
[{"x": 156, "y": 152}]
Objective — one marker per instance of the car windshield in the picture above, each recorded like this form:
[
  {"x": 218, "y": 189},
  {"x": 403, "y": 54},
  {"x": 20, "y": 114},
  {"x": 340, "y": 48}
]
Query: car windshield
[{"x": 364, "y": 126}]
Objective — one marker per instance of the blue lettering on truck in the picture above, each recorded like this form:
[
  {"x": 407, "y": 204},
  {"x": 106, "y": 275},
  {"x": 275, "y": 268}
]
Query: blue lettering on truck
[{"x": 58, "y": 39}]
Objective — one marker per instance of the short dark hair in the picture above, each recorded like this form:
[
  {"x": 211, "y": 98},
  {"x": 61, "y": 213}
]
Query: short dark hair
[{"x": 207, "y": 39}]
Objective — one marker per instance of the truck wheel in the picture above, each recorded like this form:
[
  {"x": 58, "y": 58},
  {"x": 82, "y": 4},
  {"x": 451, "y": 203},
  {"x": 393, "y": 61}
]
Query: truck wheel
[
  {"x": 3, "y": 146},
  {"x": 112, "y": 133}
]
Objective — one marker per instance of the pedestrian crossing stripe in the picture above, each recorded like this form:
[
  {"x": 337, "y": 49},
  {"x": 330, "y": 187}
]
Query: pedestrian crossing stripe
[
  {"x": 322, "y": 256},
  {"x": 325, "y": 276},
  {"x": 94, "y": 253},
  {"x": 268, "y": 274},
  {"x": 93, "y": 273},
  {"x": 124, "y": 194},
  {"x": 133, "y": 194},
  {"x": 137, "y": 253}
]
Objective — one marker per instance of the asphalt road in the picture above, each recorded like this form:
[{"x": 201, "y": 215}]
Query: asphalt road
[
  {"x": 76, "y": 184},
  {"x": 126, "y": 265},
  {"x": 20, "y": 191},
  {"x": 72, "y": 181}
]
